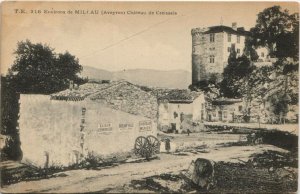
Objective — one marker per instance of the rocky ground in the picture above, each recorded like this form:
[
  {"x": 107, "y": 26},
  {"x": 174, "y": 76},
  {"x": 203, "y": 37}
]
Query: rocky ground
[{"x": 240, "y": 166}]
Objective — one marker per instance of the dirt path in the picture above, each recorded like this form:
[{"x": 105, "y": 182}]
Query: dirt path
[
  {"x": 95, "y": 180},
  {"x": 292, "y": 128}
]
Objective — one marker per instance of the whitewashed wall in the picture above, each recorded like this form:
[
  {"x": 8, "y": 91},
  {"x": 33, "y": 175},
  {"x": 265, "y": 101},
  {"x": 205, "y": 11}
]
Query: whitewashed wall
[{"x": 53, "y": 127}]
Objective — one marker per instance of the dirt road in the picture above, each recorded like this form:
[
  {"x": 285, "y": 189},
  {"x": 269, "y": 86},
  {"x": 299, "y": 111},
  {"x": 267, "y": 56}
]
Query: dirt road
[{"x": 77, "y": 181}]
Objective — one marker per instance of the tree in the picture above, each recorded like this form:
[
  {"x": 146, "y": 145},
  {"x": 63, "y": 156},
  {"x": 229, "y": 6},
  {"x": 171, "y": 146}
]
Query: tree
[
  {"x": 9, "y": 120},
  {"x": 249, "y": 51},
  {"x": 277, "y": 30},
  {"x": 237, "y": 70},
  {"x": 38, "y": 69},
  {"x": 280, "y": 105}
]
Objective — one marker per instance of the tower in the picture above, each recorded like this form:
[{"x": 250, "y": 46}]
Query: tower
[
  {"x": 198, "y": 52},
  {"x": 211, "y": 48}
]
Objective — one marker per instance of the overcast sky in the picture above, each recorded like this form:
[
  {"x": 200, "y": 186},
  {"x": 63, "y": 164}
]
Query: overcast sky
[{"x": 122, "y": 41}]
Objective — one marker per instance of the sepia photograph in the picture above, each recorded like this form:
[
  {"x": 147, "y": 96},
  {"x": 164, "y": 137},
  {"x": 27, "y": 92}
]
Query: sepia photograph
[{"x": 149, "y": 97}]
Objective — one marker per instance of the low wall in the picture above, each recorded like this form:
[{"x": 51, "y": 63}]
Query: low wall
[{"x": 61, "y": 133}]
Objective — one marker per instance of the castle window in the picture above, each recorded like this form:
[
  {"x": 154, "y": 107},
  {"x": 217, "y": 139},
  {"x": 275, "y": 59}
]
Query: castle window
[
  {"x": 240, "y": 108},
  {"x": 228, "y": 49},
  {"x": 238, "y": 50},
  {"x": 225, "y": 114},
  {"x": 262, "y": 54},
  {"x": 214, "y": 114},
  {"x": 212, "y": 37},
  {"x": 229, "y": 37},
  {"x": 238, "y": 39},
  {"x": 211, "y": 59}
]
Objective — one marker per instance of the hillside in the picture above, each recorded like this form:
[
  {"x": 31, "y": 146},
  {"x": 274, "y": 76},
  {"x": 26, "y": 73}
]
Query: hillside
[{"x": 152, "y": 78}]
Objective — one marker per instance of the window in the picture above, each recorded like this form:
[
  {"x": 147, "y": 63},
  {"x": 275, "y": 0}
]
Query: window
[
  {"x": 212, "y": 37},
  {"x": 262, "y": 54},
  {"x": 228, "y": 49},
  {"x": 229, "y": 37},
  {"x": 211, "y": 59},
  {"x": 202, "y": 106},
  {"x": 238, "y": 50},
  {"x": 212, "y": 49},
  {"x": 225, "y": 114},
  {"x": 240, "y": 108},
  {"x": 214, "y": 114},
  {"x": 238, "y": 39}
]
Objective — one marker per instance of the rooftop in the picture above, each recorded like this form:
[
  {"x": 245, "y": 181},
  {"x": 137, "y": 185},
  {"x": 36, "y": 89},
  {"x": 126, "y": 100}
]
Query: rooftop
[
  {"x": 226, "y": 101},
  {"x": 221, "y": 28},
  {"x": 118, "y": 95},
  {"x": 176, "y": 95}
]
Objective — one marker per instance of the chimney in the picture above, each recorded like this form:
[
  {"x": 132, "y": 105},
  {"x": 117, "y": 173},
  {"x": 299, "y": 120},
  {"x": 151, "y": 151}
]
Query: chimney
[{"x": 234, "y": 25}]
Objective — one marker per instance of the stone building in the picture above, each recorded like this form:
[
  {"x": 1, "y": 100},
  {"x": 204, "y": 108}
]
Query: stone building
[
  {"x": 225, "y": 110},
  {"x": 98, "y": 120},
  {"x": 179, "y": 109},
  {"x": 211, "y": 48}
]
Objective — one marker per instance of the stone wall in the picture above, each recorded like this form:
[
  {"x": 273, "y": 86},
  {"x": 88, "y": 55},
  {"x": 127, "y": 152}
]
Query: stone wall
[
  {"x": 226, "y": 113},
  {"x": 202, "y": 49},
  {"x": 61, "y": 133}
]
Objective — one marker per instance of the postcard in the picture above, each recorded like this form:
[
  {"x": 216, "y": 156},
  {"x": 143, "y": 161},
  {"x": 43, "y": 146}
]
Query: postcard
[{"x": 149, "y": 97}]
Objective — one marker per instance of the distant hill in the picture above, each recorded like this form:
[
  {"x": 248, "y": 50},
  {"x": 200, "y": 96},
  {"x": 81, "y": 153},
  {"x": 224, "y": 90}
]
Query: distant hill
[{"x": 152, "y": 78}]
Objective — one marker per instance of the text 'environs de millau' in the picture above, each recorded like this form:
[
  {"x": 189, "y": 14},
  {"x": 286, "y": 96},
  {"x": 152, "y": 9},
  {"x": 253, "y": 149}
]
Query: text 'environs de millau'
[{"x": 99, "y": 12}]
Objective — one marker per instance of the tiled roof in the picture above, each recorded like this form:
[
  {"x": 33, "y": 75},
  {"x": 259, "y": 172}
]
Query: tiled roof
[
  {"x": 118, "y": 95},
  {"x": 226, "y": 101},
  {"x": 216, "y": 29},
  {"x": 176, "y": 95},
  {"x": 82, "y": 92}
]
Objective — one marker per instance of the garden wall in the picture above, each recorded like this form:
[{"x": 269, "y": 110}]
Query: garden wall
[{"x": 62, "y": 133}]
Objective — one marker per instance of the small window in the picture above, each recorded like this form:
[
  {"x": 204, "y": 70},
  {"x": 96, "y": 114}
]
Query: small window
[
  {"x": 229, "y": 49},
  {"x": 240, "y": 108},
  {"x": 238, "y": 39},
  {"x": 238, "y": 50},
  {"x": 225, "y": 114},
  {"x": 212, "y": 37},
  {"x": 178, "y": 106},
  {"x": 262, "y": 54},
  {"x": 229, "y": 37},
  {"x": 211, "y": 59}
]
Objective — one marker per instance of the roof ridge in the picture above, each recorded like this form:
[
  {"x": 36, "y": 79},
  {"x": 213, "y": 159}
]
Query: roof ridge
[{"x": 109, "y": 87}]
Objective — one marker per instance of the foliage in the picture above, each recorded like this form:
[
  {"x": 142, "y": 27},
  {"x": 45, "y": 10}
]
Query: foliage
[
  {"x": 277, "y": 30},
  {"x": 37, "y": 69},
  {"x": 9, "y": 119},
  {"x": 206, "y": 85},
  {"x": 249, "y": 50},
  {"x": 237, "y": 69},
  {"x": 280, "y": 104}
]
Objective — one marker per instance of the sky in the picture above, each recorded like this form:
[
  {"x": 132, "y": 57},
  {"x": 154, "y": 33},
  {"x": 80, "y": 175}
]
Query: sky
[{"x": 118, "y": 42}]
